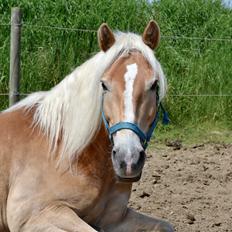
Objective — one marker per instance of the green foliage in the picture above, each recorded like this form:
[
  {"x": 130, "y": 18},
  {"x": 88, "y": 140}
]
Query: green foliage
[{"x": 192, "y": 66}]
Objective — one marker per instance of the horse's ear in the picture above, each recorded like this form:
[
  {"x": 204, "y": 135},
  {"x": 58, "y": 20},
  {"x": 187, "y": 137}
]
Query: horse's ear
[
  {"x": 151, "y": 34},
  {"x": 105, "y": 37}
]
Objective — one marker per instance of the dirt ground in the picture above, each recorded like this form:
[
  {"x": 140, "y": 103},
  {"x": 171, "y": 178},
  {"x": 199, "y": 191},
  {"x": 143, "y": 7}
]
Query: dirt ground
[{"x": 191, "y": 187}]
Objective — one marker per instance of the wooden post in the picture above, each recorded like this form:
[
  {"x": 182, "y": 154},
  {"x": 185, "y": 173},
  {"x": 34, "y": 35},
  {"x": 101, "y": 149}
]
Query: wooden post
[{"x": 16, "y": 16}]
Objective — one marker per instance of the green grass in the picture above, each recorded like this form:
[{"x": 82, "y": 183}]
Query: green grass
[
  {"x": 192, "y": 66},
  {"x": 193, "y": 134}
]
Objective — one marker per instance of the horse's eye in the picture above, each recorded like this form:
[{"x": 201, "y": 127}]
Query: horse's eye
[
  {"x": 104, "y": 86},
  {"x": 154, "y": 85}
]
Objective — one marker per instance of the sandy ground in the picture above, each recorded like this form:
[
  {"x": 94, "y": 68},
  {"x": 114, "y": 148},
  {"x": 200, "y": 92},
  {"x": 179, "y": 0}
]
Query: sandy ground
[{"x": 191, "y": 187}]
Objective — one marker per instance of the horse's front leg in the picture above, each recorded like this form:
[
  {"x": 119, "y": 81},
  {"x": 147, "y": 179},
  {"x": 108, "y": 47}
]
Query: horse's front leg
[
  {"x": 137, "y": 222},
  {"x": 56, "y": 219}
]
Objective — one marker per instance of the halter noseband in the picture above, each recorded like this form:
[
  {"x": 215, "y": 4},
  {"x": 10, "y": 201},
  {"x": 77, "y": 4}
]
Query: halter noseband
[{"x": 144, "y": 137}]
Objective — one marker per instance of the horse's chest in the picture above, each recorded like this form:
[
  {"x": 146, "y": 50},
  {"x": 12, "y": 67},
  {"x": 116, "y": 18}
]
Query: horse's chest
[
  {"x": 76, "y": 190},
  {"x": 82, "y": 193},
  {"x": 109, "y": 208}
]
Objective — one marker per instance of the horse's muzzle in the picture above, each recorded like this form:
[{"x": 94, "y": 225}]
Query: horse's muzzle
[
  {"x": 129, "y": 180},
  {"x": 128, "y": 165}
]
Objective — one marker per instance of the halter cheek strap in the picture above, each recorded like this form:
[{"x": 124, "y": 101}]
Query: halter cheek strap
[{"x": 144, "y": 137}]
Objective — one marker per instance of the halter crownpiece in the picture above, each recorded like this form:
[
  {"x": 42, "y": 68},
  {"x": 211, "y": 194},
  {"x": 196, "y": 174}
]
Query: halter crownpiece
[{"x": 144, "y": 137}]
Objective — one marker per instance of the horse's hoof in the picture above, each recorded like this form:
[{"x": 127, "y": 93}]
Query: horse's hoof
[
  {"x": 164, "y": 227},
  {"x": 97, "y": 228},
  {"x": 167, "y": 228}
]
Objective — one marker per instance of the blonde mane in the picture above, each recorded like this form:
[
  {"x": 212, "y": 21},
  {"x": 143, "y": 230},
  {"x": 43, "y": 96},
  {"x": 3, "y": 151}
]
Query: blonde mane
[{"x": 72, "y": 109}]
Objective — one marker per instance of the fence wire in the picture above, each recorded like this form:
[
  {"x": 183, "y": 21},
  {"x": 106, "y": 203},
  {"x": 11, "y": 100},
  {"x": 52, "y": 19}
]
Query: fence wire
[
  {"x": 171, "y": 37},
  {"x": 171, "y": 95}
]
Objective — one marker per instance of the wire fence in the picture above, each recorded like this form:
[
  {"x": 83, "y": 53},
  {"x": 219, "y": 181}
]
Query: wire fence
[
  {"x": 171, "y": 37},
  {"x": 171, "y": 95}
]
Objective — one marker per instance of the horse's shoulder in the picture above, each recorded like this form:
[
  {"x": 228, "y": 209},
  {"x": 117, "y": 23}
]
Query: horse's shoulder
[
  {"x": 15, "y": 119},
  {"x": 18, "y": 136}
]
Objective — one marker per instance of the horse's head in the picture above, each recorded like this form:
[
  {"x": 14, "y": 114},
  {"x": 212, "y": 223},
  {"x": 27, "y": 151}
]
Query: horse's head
[{"x": 130, "y": 102}]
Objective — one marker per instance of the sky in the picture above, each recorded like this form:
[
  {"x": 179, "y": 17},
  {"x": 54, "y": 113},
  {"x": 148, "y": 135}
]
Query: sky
[{"x": 226, "y": 3}]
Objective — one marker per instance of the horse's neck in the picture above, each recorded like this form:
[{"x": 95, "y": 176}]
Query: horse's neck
[
  {"x": 96, "y": 157},
  {"x": 101, "y": 141},
  {"x": 98, "y": 163}
]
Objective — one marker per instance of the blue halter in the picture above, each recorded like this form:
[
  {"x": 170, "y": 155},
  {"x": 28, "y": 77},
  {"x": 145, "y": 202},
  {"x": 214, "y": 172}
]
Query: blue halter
[{"x": 144, "y": 137}]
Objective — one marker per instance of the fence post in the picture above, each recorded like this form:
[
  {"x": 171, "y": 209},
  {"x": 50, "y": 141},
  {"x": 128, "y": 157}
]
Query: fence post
[{"x": 16, "y": 16}]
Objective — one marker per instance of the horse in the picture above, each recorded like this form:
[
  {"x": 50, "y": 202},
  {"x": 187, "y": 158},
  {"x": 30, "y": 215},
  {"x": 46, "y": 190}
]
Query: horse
[{"x": 70, "y": 155}]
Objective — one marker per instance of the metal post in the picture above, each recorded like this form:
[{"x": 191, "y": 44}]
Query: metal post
[{"x": 16, "y": 16}]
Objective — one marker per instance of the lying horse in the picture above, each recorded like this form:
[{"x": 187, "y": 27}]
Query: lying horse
[{"x": 69, "y": 156}]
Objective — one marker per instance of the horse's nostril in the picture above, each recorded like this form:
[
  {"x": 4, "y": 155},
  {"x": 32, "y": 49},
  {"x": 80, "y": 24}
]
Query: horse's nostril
[
  {"x": 123, "y": 164},
  {"x": 114, "y": 153},
  {"x": 142, "y": 156}
]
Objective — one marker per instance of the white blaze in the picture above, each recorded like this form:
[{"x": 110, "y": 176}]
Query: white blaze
[
  {"x": 129, "y": 77},
  {"x": 127, "y": 139}
]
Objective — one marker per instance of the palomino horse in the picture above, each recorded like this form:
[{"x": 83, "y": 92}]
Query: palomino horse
[{"x": 63, "y": 167}]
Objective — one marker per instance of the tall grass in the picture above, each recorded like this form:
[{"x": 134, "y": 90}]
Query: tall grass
[{"x": 192, "y": 66}]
